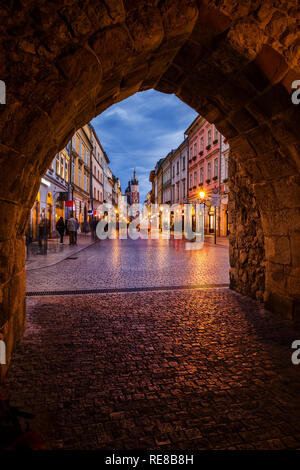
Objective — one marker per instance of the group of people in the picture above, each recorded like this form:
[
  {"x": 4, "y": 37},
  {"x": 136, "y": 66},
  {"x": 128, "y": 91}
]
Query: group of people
[{"x": 71, "y": 227}]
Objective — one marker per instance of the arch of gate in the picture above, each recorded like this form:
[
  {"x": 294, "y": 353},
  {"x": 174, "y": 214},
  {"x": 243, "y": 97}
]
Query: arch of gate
[{"x": 234, "y": 62}]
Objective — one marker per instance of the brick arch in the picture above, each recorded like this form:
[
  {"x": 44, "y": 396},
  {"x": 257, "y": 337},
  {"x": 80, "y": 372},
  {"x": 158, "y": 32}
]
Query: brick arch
[{"x": 234, "y": 62}]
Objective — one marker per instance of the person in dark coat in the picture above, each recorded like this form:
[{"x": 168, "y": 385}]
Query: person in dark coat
[
  {"x": 60, "y": 227},
  {"x": 42, "y": 226}
]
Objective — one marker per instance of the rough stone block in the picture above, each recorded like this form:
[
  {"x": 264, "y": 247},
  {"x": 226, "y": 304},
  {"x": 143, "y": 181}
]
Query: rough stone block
[{"x": 278, "y": 249}]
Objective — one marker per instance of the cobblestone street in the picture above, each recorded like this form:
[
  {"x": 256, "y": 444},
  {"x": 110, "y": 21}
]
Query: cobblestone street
[
  {"x": 169, "y": 369},
  {"x": 140, "y": 263}
]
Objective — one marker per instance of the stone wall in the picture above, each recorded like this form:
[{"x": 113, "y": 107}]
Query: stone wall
[{"x": 246, "y": 249}]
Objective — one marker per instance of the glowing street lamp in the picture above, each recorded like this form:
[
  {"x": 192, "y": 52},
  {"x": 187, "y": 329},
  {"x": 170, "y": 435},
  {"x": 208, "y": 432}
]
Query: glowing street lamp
[{"x": 202, "y": 195}]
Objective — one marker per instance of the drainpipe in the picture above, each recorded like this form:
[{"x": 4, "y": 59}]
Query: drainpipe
[
  {"x": 91, "y": 175},
  {"x": 220, "y": 174},
  {"x": 70, "y": 189}
]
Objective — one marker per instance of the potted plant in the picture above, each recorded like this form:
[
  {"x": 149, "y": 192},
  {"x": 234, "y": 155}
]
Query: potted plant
[
  {"x": 208, "y": 147},
  {"x": 194, "y": 187},
  {"x": 215, "y": 178},
  {"x": 225, "y": 180},
  {"x": 208, "y": 181},
  {"x": 215, "y": 141},
  {"x": 201, "y": 152}
]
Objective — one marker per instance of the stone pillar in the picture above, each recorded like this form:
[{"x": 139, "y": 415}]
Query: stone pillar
[
  {"x": 246, "y": 250},
  {"x": 12, "y": 277}
]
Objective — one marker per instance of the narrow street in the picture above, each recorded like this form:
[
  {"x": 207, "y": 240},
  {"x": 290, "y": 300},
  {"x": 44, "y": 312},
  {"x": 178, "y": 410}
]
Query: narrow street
[{"x": 152, "y": 361}]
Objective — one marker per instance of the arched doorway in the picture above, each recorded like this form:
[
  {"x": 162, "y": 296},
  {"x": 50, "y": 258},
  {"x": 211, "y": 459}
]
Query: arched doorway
[{"x": 231, "y": 62}]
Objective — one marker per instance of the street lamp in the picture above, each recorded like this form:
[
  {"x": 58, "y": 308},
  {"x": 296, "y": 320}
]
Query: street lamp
[{"x": 202, "y": 196}]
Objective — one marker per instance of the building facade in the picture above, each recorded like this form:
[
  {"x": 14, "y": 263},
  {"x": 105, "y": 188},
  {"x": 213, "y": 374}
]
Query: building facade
[
  {"x": 78, "y": 181},
  {"x": 208, "y": 155},
  {"x": 50, "y": 203},
  {"x": 179, "y": 164},
  {"x": 199, "y": 164},
  {"x": 96, "y": 173},
  {"x": 81, "y": 148},
  {"x": 166, "y": 179}
]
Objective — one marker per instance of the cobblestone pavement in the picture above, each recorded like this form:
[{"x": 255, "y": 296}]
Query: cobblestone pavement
[
  {"x": 56, "y": 252},
  {"x": 200, "y": 369},
  {"x": 134, "y": 263}
]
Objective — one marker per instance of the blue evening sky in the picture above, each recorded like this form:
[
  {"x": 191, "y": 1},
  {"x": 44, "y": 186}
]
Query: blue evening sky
[{"x": 139, "y": 131}]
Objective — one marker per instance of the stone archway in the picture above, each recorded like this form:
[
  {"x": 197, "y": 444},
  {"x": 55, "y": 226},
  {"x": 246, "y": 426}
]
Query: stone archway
[{"x": 234, "y": 62}]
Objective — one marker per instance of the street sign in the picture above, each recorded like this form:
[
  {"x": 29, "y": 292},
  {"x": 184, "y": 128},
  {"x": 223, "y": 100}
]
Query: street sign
[{"x": 215, "y": 199}]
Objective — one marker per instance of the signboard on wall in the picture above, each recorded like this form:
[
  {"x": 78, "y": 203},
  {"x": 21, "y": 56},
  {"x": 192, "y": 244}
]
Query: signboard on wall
[{"x": 215, "y": 198}]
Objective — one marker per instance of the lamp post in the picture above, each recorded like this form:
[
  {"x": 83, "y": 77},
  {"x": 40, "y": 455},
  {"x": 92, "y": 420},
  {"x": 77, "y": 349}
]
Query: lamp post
[{"x": 202, "y": 196}]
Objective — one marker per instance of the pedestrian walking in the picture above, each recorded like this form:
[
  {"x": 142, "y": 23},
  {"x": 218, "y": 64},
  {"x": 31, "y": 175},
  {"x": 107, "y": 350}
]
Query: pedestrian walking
[
  {"x": 60, "y": 227},
  {"x": 42, "y": 228},
  {"x": 72, "y": 229},
  {"x": 76, "y": 232}
]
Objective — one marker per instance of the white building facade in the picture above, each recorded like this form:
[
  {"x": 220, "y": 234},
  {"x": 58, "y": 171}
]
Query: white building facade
[
  {"x": 97, "y": 189},
  {"x": 179, "y": 164}
]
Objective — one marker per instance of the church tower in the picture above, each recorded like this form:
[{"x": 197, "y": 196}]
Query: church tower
[{"x": 132, "y": 190}]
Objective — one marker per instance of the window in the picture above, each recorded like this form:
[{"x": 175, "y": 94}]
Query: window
[
  {"x": 98, "y": 196},
  {"x": 209, "y": 137},
  {"x": 177, "y": 188},
  {"x": 67, "y": 169},
  {"x": 79, "y": 176},
  {"x": 177, "y": 167},
  {"x": 201, "y": 175},
  {"x": 73, "y": 172},
  {"x": 85, "y": 155},
  {"x": 201, "y": 144},
  {"x": 173, "y": 171},
  {"x": 80, "y": 149},
  {"x": 191, "y": 180},
  {"x": 216, "y": 133},
  {"x": 183, "y": 163},
  {"x": 62, "y": 166},
  {"x": 195, "y": 178},
  {"x": 209, "y": 170},
  {"x": 94, "y": 193},
  {"x": 183, "y": 188},
  {"x": 95, "y": 170},
  {"x": 57, "y": 169},
  {"x": 216, "y": 167},
  {"x": 195, "y": 149},
  {"x": 191, "y": 152},
  {"x": 74, "y": 141}
]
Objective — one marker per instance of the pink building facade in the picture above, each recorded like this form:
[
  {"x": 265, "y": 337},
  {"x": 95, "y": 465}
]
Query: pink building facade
[{"x": 208, "y": 172}]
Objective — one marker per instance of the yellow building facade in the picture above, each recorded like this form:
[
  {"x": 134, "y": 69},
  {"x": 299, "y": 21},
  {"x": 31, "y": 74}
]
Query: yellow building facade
[{"x": 81, "y": 175}]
